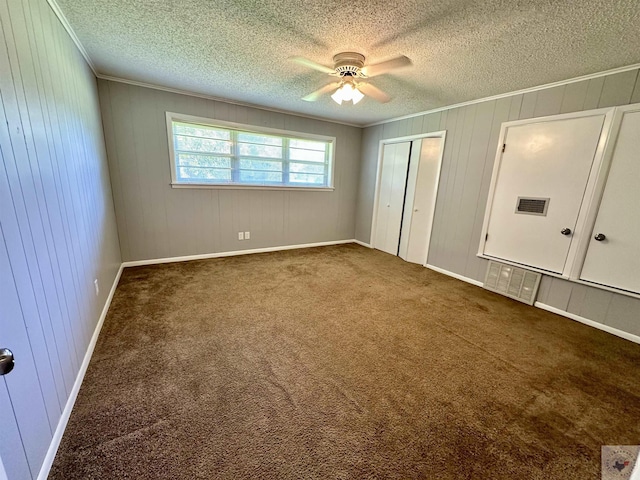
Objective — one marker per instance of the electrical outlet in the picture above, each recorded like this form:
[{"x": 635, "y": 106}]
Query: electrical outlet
[
  {"x": 240, "y": 235},
  {"x": 247, "y": 235},
  {"x": 96, "y": 286}
]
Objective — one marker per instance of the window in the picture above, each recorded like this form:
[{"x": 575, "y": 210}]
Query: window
[{"x": 212, "y": 153}]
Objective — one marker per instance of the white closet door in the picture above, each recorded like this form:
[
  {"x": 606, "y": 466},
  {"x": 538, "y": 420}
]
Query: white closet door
[
  {"x": 424, "y": 201},
  {"x": 395, "y": 159},
  {"x": 545, "y": 162},
  {"x": 409, "y": 198},
  {"x": 615, "y": 259}
]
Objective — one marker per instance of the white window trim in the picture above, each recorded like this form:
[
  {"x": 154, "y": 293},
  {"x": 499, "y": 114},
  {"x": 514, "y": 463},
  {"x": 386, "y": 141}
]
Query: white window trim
[{"x": 179, "y": 117}]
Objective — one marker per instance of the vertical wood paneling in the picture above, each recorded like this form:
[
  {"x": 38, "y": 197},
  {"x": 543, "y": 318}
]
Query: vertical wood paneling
[
  {"x": 472, "y": 137},
  {"x": 617, "y": 89},
  {"x": 594, "y": 90},
  {"x": 549, "y": 101},
  {"x": 623, "y": 314},
  {"x": 57, "y": 218},
  {"x": 635, "y": 96},
  {"x": 574, "y": 97}
]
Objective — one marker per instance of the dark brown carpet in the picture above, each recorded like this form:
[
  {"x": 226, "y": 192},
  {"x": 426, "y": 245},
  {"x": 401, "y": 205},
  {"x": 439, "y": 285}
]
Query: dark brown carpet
[{"x": 342, "y": 363}]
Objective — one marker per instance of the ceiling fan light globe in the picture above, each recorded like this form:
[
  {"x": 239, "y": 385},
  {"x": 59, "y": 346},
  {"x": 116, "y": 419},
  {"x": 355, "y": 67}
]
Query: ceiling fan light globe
[
  {"x": 347, "y": 92},
  {"x": 337, "y": 96},
  {"x": 356, "y": 96}
]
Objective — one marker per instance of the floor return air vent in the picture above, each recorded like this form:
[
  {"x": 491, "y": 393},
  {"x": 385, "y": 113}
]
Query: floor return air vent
[{"x": 514, "y": 282}]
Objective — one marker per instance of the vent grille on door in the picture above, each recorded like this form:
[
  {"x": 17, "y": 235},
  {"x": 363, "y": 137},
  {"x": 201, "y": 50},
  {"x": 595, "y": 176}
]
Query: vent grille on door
[
  {"x": 514, "y": 282},
  {"x": 532, "y": 206}
]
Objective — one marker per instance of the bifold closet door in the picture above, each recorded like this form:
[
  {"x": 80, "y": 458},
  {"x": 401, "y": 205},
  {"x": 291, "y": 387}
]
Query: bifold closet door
[
  {"x": 613, "y": 257},
  {"x": 420, "y": 199},
  {"x": 393, "y": 178}
]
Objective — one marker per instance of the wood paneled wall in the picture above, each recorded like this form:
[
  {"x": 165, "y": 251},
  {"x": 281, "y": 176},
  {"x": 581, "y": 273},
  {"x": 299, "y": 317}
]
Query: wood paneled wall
[
  {"x": 472, "y": 138},
  {"x": 57, "y": 219},
  {"x": 157, "y": 221}
]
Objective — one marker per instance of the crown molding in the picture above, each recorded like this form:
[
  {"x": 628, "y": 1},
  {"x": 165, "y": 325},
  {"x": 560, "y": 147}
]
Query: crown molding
[
  {"x": 67, "y": 26},
  {"x": 221, "y": 99},
  {"x": 509, "y": 94}
]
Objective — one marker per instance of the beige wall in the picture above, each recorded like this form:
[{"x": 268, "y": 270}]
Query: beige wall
[
  {"x": 472, "y": 137},
  {"x": 157, "y": 221}
]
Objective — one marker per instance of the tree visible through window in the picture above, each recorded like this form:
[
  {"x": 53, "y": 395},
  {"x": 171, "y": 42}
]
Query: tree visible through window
[{"x": 216, "y": 155}]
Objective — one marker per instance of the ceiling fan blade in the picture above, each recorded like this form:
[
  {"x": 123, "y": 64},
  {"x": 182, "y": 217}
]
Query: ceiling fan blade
[
  {"x": 311, "y": 64},
  {"x": 312, "y": 97},
  {"x": 373, "y": 92},
  {"x": 386, "y": 66}
]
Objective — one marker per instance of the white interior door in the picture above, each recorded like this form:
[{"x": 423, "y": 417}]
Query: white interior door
[
  {"x": 393, "y": 178},
  {"x": 545, "y": 166},
  {"x": 613, "y": 258},
  {"x": 23, "y": 419},
  {"x": 3, "y": 473},
  {"x": 422, "y": 189}
]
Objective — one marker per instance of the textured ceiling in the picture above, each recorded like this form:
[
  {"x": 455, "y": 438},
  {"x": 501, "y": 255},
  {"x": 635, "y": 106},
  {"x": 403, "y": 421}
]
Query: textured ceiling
[{"x": 461, "y": 49}]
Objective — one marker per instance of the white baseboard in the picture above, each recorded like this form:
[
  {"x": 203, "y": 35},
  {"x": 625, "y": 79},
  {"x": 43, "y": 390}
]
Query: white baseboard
[
  {"x": 614, "y": 331},
  {"x": 600, "y": 326},
  {"x": 186, "y": 258},
  {"x": 66, "y": 413},
  {"x": 368, "y": 245},
  {"x": 454, "y": 275}
]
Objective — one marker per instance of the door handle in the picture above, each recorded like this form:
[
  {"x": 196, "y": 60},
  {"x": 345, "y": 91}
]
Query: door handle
[
  {"x": 600, "y": 237},
  {"x": 566, "y": 231},
  {"x": 6, "y": 361}
]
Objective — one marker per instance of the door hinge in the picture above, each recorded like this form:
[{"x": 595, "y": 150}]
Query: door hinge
[
  {"x": 504, "y": 146},
  {"x": 486, "y": 237}
]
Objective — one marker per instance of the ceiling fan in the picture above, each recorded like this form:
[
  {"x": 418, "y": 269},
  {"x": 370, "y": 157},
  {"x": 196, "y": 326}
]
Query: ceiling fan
[{"x": 352, "y": 86}]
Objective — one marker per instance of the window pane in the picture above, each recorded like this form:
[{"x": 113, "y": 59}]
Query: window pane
[
  {"x": 261, "y": 139},
  {"x": 190, "y": 160},
  {"x": 194, "y": 174},
  {"x": 252, "y": 150},
  {"x": 254, "y": 176},
  {"x": 307, "y": 155},
  {"x": 200, "y": 131},
  {"x": 247, "y": 164},
  {"x": 306, "y": 178},
  {"x": 206, "y": 145},
  {"x": 308, "y": 144},
  {"x": 306, "y": 168}
]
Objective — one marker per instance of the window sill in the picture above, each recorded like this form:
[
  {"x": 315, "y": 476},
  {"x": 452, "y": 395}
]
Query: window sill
[{"x": 250, "y": 187}]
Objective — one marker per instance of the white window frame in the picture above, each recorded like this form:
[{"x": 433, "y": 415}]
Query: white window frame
[{"x": 179, "y": 117}]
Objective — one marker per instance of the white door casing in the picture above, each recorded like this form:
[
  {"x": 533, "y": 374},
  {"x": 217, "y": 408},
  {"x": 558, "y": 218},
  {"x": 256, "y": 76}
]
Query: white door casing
[{"x": 550, "y": 159}]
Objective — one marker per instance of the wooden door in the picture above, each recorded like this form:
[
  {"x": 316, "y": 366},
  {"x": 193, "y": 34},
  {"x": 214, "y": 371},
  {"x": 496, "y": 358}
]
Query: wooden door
[
  {"x": 538, "y": 193},
  {"x": 393, "y": 178},
  {"x": 613, "y": 256}
]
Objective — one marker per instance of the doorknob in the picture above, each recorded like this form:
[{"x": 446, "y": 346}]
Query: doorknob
[
  {"x": 415, "y": 209},
  {"x": 565, "y": 231},
  {"x": 6, "y": 361},
  {"x": 600, "y": 237}
]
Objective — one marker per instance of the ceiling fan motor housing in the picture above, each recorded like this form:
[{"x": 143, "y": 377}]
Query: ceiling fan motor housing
[{"x": 349, "y": 64}]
